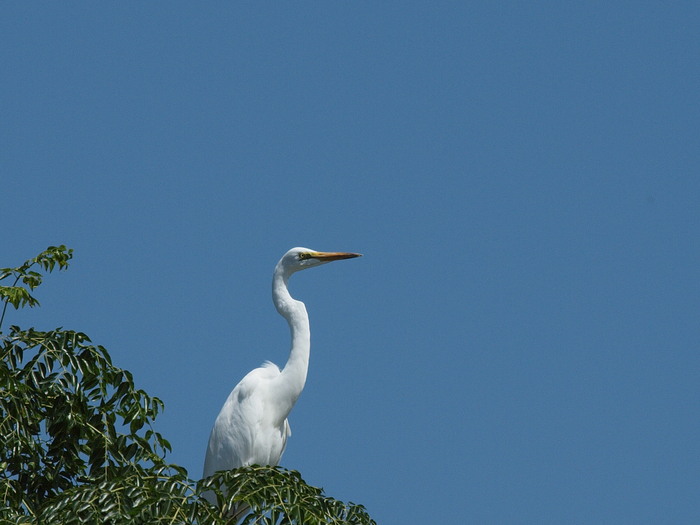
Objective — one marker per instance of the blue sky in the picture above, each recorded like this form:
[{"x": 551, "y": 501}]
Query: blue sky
[{"x": 520, "y": 342}]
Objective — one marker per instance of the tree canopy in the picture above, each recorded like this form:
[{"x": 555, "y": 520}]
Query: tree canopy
[{"x": 79, "y": 443}]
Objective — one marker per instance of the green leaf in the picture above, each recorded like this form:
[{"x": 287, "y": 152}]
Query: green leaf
[{"x": 18, "y": 296}]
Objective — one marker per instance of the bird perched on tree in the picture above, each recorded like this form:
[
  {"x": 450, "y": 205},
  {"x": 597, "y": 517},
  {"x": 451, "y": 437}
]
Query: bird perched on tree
[{"x": 252, "y": 427}]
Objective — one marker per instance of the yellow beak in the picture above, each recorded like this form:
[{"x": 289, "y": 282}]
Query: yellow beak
[{"x": 333, "y": 256}]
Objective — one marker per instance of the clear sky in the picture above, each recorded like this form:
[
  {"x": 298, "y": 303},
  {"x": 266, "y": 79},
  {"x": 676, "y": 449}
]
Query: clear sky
[{"x": 520, "y": 342}]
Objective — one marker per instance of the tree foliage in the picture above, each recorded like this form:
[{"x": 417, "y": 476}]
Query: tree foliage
[{"x": 79, "y": 446}]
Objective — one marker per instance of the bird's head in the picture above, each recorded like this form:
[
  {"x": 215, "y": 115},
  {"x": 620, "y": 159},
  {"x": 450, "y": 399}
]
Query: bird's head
[{"x": 302, "y": 258}]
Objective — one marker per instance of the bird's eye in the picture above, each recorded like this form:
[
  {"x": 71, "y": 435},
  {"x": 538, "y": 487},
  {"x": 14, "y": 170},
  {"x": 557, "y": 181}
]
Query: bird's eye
[{"x": 304, "y": 256}]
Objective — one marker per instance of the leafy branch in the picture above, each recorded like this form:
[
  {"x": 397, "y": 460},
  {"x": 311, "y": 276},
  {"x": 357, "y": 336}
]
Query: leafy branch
[
  {"x": 19, "y": 296},
  {"x": 68, "y": 414},
  {"x": 274, "y": 495}
]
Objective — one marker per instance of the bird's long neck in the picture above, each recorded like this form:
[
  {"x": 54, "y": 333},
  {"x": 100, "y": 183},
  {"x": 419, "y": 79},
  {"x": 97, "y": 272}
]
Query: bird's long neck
[{"x": 293, "y": 375}]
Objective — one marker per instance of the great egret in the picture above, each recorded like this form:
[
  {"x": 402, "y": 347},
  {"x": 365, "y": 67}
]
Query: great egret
[{"x": 252, "y": 427}]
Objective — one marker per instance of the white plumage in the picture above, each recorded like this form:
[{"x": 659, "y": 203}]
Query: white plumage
[{"x": 252, "y": 427}]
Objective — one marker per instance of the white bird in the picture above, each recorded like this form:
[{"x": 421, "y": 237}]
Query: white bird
[{"x": 252, "y": 427}]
